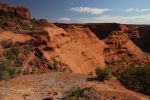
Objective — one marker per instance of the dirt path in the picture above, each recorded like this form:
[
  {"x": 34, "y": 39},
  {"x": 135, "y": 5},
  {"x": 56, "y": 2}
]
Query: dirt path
[{"x": 38, "y": 87}]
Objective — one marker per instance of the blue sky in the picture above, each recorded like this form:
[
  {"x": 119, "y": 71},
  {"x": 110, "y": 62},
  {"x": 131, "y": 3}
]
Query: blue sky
[{"x": 88, "y": 11}]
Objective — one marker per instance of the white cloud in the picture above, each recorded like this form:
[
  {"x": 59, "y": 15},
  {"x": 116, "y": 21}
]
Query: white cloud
[
  {"x": 136, "y": 10},
  {"x": 65, "y": 19},
  {"x": 89, "y": 10},
  {"x": 145, "y": 9},
  {"x": 141, "y": 19}
]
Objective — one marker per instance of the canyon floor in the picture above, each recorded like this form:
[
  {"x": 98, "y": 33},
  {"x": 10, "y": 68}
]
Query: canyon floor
[{"x": 52, "y": 86}]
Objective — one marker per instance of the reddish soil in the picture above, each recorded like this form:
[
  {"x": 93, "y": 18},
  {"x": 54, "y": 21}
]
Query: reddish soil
[{"x": 54, "y": 85}]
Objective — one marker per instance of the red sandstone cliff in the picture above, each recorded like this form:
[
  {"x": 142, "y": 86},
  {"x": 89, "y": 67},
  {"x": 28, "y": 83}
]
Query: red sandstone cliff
[
  {"x": 77, "y": 47},
  {"x": 21, "y": 11}
]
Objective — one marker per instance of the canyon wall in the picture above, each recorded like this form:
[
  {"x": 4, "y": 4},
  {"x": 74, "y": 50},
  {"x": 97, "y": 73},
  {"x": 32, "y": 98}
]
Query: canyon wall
[{"x": 76, "y": 47}]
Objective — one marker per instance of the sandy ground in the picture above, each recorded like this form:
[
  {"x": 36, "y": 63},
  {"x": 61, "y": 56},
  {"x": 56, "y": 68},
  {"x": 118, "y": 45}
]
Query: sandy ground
[{"x": 53, "y": 85}]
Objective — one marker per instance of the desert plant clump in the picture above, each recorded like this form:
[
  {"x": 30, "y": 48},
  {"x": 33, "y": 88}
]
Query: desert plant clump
[
  {"x": 14, "y": 71},
  {"x": 11, "y": 53},
  {"x": 18, "y": 62},
  {"x": 77, "y": 93},
  {"x": 137, "y": 79},
  {"x": 4, "y": 67},
  {"x": 103, "y": 74},
  {"x": 7, "y": 70}
]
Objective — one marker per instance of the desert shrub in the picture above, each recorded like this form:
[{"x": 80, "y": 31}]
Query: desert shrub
[
  {"x": 137, "y": 79},
  {"x": 4, "y": 69},
  {"x": 77, "y": 93},
  {"x": 4, "y": 75},
  {"x": 18, "y": 62},
  {"x": 102, "y": 74},
  {"x": 7, "y": 71},
  {"x": 14, "y": 71},
  {"x": 11, "y": 53},
  {"x": 6, "y": 43},
  {"x": 4, "y": 65}
]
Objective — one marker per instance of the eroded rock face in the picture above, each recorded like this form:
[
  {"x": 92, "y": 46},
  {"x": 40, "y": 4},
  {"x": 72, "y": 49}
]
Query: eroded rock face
[
  {"x": 77, "y": 47},
  {"x": 120, "y": 42},
  {"x": 121, "y": 50},
  {"x": 20, "y": 11},
  {"x": 139, "y": 34}
]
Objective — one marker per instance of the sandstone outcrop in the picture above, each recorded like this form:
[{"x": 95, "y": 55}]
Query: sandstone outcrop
[
  {"x": 121, "y": 49},
  {"x": 77, "y": 47},
  {"x": 122, "y": 52},
  {"x": 138, "y": 33},
  {"x": 121, "y": 41},
  {"x": 20, "y": 11}
]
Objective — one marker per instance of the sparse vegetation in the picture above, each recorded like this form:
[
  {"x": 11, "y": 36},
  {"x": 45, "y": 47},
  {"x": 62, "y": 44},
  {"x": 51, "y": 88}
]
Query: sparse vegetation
[
  {"x": 102, "y": 74},
  {"x": 14, "y": 71},
  {"x": 4, "y": 67},
  {"x": 7, "y": 70},
  {"x": 11, "y": 53},
  {"x": 18, "y": 62},
  {"x": 77, "y": 93},
  {"x": 137, "y": 79}
]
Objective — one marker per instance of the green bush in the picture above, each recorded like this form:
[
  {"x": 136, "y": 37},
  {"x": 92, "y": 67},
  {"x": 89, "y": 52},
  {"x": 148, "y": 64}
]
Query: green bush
[
  {"x": 103, "y": 74},
  {"x": 14, "y": 71},
  {"x": 4, "y": 65},
  {"x": 7, "y": 71},
  {"x": 4, "y": 75},
  {"x": 77, "y": 93},
  {"x": 137, "y": 79},
  {"x": 4, "y": 69},
  {"x": 6, "y": 43},
  {"x": 12, "y": 53}
]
